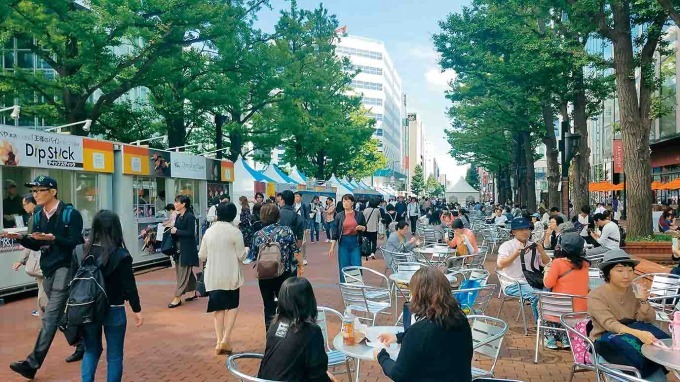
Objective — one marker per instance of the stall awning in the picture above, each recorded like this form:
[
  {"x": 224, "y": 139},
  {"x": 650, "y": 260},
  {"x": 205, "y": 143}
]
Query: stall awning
[{"x": 672, "y": 185}]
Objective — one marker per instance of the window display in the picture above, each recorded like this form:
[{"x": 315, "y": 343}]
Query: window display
[{"x": 13, "y": 191}]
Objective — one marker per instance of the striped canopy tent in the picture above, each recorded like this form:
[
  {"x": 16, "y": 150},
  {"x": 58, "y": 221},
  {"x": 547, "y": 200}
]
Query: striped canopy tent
[
  {"x": 297, "y": 176},
  {"x": 274, "y": 172}
]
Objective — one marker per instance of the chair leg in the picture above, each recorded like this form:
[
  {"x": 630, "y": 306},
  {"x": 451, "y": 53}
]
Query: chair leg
[
  {"x": 501, "y": 308},
  {"x": 524, "y": 319},
  {"x": 538, "y": 336},
  {"x": 571, "y": 374},
  {"x": 349, "y": 370},
  {"x": 357, "y": 371}
]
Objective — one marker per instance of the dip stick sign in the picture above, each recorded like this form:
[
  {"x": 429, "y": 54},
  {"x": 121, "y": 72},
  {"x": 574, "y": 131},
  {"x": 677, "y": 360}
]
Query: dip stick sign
[{"x": 31, "y": 148}]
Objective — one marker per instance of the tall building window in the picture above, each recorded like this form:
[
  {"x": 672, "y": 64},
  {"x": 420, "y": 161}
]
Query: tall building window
[
  {"x": 369, "y": 69},
  {"x": 667, "y": 125},
  {"x": 367, "y": 85},
  {"x": 358, "y": 52},
  {"x": 372, "y": 101}
]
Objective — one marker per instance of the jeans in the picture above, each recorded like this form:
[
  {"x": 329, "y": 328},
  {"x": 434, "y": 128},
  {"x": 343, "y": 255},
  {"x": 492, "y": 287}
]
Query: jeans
[
  {"x": 114, "y": 330},
  {"x": 527, "y": 292},
  {"x": 313, "y": 229},
  {"x": 414, "y": 222},
  {"x": 269, "y": 289},
  {"x": 349, "y": 253},
  {"x": 372, "y": 237},
  {"x": 329, "y": 227}
]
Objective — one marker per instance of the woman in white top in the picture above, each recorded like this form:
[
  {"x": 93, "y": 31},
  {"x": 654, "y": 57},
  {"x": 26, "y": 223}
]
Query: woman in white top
[
  {"x": 223, "y": 250},
  {"x": 373, "y": 218}
]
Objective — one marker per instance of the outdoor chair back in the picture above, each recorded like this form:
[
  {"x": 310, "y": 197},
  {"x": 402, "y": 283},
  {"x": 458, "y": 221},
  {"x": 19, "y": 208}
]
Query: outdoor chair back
[
  {"x": 232, "y": 366},
  {"x": 487, "y": 339},
  {"x": 365, "y": 299},
  {"x": 551, "y": 306},
  {"x": 335, "y": 357},
  {"x": 664, "y": 290},
  {"x": 359, "y": 275},
  {"x": 484, "y": 296}
]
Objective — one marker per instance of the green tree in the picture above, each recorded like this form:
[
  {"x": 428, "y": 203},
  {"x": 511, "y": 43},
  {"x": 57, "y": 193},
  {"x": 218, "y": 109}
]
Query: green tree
[
  {"x": 417, "y": 181},
  {"x": 432, "y": 186},
  {"x": 100, "y": 50},
  {"x": 613, "y": 21},
  {"x": 472, "y": 177}
]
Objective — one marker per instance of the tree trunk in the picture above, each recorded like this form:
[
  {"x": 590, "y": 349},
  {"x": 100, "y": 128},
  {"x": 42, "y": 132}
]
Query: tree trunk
[
  {"x": 550, "y": 142},
  {"x": 176, "y": 130},
  {"x": 581, "y": 163},
  {"x": 320, "y": 165},
  {"x": 236, "y": 142},
  {"x": 634, "y": 130},
  {"x": 530, "y": 179}
]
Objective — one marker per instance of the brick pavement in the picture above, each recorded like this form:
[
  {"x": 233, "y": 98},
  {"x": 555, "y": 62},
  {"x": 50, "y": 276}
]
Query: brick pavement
[{"x": 178, "y": 344}]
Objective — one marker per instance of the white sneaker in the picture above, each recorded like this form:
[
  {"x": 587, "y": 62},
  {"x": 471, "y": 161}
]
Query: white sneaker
[
  {"x": 328, "y": 241},
  {"x": 247, "y": 261},
  {"x": 304, "y": 262},
  {"x": 35, "y": 313}
]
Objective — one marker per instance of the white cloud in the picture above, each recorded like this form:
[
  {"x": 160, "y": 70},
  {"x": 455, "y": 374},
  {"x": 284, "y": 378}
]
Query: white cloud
[
  {"x": 424, "y": 54},
  {"x": 438, "y": 80}
]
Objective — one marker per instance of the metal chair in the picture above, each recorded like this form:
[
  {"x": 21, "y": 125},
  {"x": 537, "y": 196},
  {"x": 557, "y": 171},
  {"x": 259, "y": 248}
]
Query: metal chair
[
  {"x": 664, "y": 290},
  {"x": 484, "y": 295},
  {"x": 569, "y": 322},
  {"x": 550, "y": 307},
  {"x": 503, "y": 279},
  {"x": 475, "y": 261},
  {"x": 233, "y": 367},
  {"x": 335, "y": 357},
  {"x": 355, "y": 275},
  {"x": 595, "y": 259},
  {"x": 366, "y": 299},
  {"x": 614, "y": 373},
  {"x": 398, "y": 257},
  {"x": 595, "y": 278},
  {"x": 487, "y": 339}
]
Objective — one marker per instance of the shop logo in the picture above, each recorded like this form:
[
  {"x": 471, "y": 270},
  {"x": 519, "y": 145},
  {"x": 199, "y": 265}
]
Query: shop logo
[{"x": 50, "y": 153}]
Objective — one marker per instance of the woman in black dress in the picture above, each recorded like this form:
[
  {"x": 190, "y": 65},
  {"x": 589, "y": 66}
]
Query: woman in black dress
[{"x": 184, "y": 234}]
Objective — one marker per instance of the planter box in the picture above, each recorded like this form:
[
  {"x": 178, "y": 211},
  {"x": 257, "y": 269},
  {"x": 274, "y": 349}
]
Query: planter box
[{"x": 657, "y": 251}]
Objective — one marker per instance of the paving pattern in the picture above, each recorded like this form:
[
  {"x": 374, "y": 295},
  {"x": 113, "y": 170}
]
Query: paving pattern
[{"x": 178, "y": 344}]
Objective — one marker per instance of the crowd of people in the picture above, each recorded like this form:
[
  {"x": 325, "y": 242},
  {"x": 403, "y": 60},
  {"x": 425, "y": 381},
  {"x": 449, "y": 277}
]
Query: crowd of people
[{"x": 272, "y": 233}]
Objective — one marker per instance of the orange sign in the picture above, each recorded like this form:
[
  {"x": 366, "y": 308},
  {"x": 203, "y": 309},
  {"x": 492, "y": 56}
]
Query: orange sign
[
  {"x": 227, "y": 171},
  {"x": 97, "y": 156},
  {"x": 618, "y": 155},
  {"x": 135, "y": 160}
]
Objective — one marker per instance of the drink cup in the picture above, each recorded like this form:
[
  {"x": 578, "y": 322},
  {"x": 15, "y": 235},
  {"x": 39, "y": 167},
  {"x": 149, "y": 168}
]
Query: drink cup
[{"x": 638, "y": 290}]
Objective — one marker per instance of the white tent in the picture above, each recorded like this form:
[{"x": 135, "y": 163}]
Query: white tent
[
  {"x": 462, "y": 191},
  {"x": 297, "y": 176},
  {"x": 278, "y": 176},
  {"x": 341, "y": 188},
  {"x": 244, "y": 180}
]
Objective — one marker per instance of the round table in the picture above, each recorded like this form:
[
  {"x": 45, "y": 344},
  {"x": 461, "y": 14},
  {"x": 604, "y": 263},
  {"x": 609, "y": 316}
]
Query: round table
[
  {"x": 666, "y": 357},
  {"x": 436, "y": 250},
  {"x": 364, "y": 352},
  {"x": 405, "y": 277}
]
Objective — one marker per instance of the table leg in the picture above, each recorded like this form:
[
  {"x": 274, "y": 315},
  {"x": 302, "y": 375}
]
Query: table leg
[{"x": 358, "y": 363}]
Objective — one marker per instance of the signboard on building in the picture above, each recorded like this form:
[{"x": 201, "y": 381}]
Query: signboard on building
[
  {"x": 617, "y": 147},
  {"x": 227, "y": 173},
  {"x": 32, "y": 148},
  {"x": 188, "y": 166},
  {"x": 135, "y": 160},
  {"x": 97, "y": 156}
]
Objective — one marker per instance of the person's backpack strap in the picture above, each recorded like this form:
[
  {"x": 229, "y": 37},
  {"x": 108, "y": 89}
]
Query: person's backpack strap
[
  {"x": 66, "y": 214},
  {"x": 37, "y": 212}
]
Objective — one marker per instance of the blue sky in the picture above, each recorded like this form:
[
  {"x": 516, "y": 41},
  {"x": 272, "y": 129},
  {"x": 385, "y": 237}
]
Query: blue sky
[{"x": 406, "y": 27}]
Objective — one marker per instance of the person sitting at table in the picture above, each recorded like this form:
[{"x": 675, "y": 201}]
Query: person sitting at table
[
  {"x": 295, "y": 346},
  {"x": 463, "y": 239},
  {"x": 615, "y": 302},
  {"x": 509, "y": 262},
  {"x": 538, "y": 230},
  {"x": 438, "y": 346},
  {"x": 567, "y": 273},
  {"x": 447, "y": 218},
  {"x": 553, "y": 231},
  {"x": 398, "y": 243}
]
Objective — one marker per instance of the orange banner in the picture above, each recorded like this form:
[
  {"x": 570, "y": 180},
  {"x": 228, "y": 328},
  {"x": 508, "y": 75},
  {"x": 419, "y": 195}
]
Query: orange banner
[
  {"x": 227, "y": 173},
  {"x": 97, "y": 156},
  {"x": 135, "y": 160}
]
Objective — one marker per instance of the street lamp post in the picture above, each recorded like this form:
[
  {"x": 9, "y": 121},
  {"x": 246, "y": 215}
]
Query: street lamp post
[
  {"x": 16, "y": 111},
  {"x": 569, "y": 145},
  {"x": 86, "y": 126}
]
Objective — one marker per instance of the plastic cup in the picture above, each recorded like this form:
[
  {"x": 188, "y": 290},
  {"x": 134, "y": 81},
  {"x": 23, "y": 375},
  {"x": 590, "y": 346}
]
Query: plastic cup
[{"x": 638, "y": 290}]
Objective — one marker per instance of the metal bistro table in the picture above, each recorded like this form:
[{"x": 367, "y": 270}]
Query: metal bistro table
[
  {"x": 435, "y": 255},
  {"x": 666, "y": 357},
  {"x": 364, "y": 352},
  {"x": 405, "y": 277}
]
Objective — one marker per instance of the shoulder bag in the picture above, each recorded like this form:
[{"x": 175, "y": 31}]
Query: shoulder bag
[{"x": 533, "y": 276}]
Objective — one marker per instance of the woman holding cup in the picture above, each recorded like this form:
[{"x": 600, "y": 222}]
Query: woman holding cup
[
  {"x": 618, "y": 305},
  {"x": 426, "y": 353}
]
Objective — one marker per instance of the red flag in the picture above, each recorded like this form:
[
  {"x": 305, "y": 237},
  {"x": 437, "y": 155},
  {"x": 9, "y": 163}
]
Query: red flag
[
  {"x": 341, "y": 30},
  {"x": 618, "y": 155}
]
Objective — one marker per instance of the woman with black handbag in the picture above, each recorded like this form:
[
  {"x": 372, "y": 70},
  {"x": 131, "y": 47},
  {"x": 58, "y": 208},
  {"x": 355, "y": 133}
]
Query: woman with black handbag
[{"x": 184, "y": 233}]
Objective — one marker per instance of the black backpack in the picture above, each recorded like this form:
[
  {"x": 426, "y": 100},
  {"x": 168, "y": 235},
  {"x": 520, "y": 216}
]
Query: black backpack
[{"x": 87, "y": 300}]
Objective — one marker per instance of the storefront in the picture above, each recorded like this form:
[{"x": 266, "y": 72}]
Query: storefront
[
  {"x": 82, "y": 167},
  {"x": 665, "y": 162},
  {"x": 220, "y": 176}
]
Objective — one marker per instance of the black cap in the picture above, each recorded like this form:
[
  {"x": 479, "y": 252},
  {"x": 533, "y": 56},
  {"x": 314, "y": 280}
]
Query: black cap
[
  {"x": 571, "y": 242},
  {"x": 43, "y": 181}
]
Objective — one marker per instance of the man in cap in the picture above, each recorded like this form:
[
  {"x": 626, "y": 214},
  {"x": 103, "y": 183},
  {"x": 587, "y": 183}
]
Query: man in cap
[
  {"x": 55, "y": 236},
  {"x": 11, "y": 205},
  {"x": 510, "y": 264}
]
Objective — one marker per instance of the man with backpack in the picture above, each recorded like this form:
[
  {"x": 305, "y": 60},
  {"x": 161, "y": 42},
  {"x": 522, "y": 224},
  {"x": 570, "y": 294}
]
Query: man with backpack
[{"x": 57, "y": 230}]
